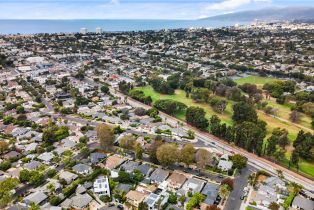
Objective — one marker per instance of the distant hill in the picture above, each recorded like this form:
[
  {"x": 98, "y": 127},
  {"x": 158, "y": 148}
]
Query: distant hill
[{"x": 269, "y": 14}]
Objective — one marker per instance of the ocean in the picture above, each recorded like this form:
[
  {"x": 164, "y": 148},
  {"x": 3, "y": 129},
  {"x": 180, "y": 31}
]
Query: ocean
[{"x": 72, "y": 26}]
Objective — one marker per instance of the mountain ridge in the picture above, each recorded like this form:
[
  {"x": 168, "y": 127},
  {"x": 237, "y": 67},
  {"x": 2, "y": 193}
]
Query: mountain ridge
[{"x": 268, "y": 14}]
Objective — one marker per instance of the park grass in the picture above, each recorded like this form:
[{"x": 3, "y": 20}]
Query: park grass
[
  {"x": 257, "y": 80},
  {"x": 272, "y": 123},
  {"x": 181, "y": 97}
]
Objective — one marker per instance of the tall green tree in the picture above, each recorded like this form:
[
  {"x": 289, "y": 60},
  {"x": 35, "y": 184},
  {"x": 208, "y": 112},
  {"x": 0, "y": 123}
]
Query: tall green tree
[
  {"x": 105, "y": 135},
  {"x": 243, "y": 111},
  {"x": 196, "y": 117}
]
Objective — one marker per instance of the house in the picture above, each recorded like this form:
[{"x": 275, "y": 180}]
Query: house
[
  {"x": 135, "y": 198},
  {"x": 37, "y": 197},
  {"x": 113, "y": 162},
  {"x": 101, "y": 186},
  {"x": 124, "y": 187},
  {"x": 193, "y": 185},
  {"x": 95, "y": 157},
  {"x": 275, "y": 182},
  {"x": 46, "y": 157},
  {"x": 211, "y": 191},
  {"x": 145, "y": 169},
  {"x": 159, "y": 175},
  {"x": 67, "y": 176},
  {"x": 31, "y": 147},
  {"x": 32, "y": 165},
  {"x": 152, "y": 201},
  {"x": 265, "y": 195},
  {"x": 82, "y": 169},
  {"x": 12, "y": 154},
  {"x": 81, "y": 201},
  {"x": 300, "y": 202},
  {"x": 129, "y": 166},
  {"x": 176, "y": 180},
  {"x": 224, "y": 163}
]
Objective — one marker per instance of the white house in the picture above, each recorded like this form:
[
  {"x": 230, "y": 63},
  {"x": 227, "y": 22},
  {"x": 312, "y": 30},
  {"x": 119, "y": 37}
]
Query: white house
[
  {"x": 224, "y": 163},
  {"x": 101, "y": 186}
]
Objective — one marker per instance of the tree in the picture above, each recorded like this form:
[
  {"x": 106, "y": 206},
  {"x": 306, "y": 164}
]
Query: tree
[
  {"x": 139, "y": 111},
  {"x": 138, "y": 151},
  {"x": 34, "y": 206},
  {"x": 218, "y": 105},
  {"x": 84, "y": 151},
  {"x": 167, "y": 154},
  {"x": 295, "y": 157},
  {"x": 295, "y": 116},
  {"x": 105, "y": 89},
  {"x": 5, "y": 165},
  {"x": 169, "y": 106},
  {"x": 138, "y": 176},
  {"x": 243, "y": 111},
  {"x": 212, "y": 207},
  {"x": 187, "y": 154},
  {"x": 250, "y": 136},
  {"x": 152, "y": 149},
  {"x": 127, "y": 142},
  {"x": 239, "y": 161},
  {"x": 196, "y": 199},
  {"x": 215, "y": 125},
  {"x": 196, "y": 117},
  {"x": 172, "y": 198},
  {"x": 5, "y": 191},
  {"x": 203, "y": 158},
  {"x": 54, "y": 200},
  {"x": 273, "y": 206},
  {"x": 200, "y": 94},
  {"x": 4, "y": 146},
  {"x": 20, "y": 110},
  {"x": 105, "y": 135},
  {"x": 36, "y": 178},
  {"x": 228, "y": 181},
  {"x": 142, "y": 206},
  {"x": 224, "y": 191}
]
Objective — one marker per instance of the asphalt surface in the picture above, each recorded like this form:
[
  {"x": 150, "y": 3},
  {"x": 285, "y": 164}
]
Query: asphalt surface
[{"x": 240, "y": 182}]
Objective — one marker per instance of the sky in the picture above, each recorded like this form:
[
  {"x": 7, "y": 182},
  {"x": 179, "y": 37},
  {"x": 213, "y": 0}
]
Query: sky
[{"x": 133, "y": 9}]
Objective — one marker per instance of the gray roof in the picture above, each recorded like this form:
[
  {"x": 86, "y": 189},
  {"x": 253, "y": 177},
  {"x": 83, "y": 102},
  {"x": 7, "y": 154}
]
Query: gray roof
[
  {"x": 36, "y": 197},
  {"x": 211, "y": 191},
  {"x": 194, "y": 184},
  {"x": 32, "y": 165},
  {"x": 144, "y": 168},
  {"x": 81, "y": 167},
  {"x": 159, "y": 175},
  {"x": 124, "y": 187},
  {"x": 151, "y": 199},
  {"x": 303, "y": 203},
  {"x": 81, "y": 201},
  {"x": 96, "y": 156},
  {"x": 17, "y": 207},
  {"x": 129, "y": 166},
  {"x": 273, "y": 181}
]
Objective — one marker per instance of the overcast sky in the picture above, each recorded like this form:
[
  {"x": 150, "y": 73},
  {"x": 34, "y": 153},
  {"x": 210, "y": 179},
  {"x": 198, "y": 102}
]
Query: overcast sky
[{"x": 132, "y": 9}]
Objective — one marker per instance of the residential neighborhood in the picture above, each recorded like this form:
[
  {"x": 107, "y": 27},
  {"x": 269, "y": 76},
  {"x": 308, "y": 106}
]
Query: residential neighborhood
[{"x": 76, "y": 133}]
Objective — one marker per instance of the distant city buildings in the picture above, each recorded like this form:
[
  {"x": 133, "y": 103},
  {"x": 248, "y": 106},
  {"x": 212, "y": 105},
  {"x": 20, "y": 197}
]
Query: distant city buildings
[
  {"x": 98, "y": 30},
  {"x": 83, "y": 30}
]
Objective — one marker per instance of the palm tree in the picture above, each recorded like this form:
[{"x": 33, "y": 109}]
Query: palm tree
[{"x": 224, "y": 191}]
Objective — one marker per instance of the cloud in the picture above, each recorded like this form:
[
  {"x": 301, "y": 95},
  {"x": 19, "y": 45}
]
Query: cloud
[
  {"x": 232, "y": 4},
  {"x": 114, "y": 2}
]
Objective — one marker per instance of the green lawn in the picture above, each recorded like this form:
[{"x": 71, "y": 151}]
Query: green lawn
[
  {"x": 259, "y": 81},
  {"x": 180, "y": 96},
  {"x": 272, "y": 123}
]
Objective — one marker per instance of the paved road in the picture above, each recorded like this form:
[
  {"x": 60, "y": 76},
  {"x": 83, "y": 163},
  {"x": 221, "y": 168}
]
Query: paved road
[
  {"x": 207, "y": 138},
  {"x": 253, "y": 160},
  {"x": 240, "y": 182}
]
